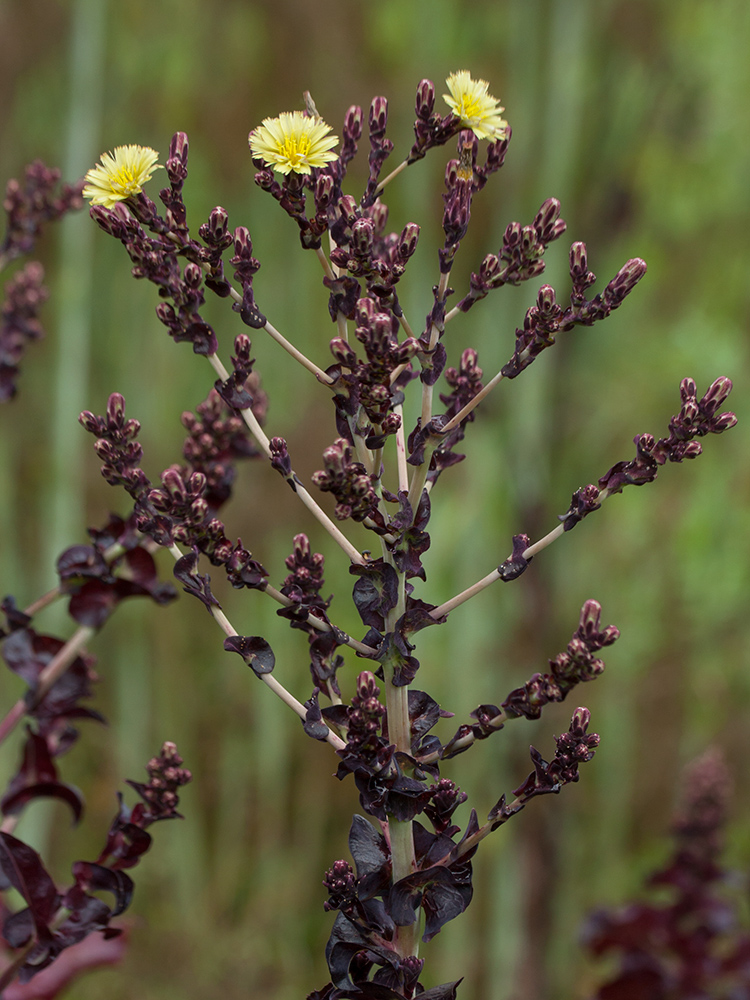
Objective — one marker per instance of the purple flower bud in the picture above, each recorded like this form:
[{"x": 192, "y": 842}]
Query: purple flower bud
[
  {"x": 323, "y": 190},
  {"x": 425, "y": 99},
  {"x": 193, "y": 275},
  {"x": 349, "y": 209},
  {"x": 724, "y": 422},
  {"x": 626, "y": 279},
  {"x": 688, "y": 389},
  {"x": 578, "y": 260},
  {"x": 89, "y": 422},
  {"x": 172, "y": 482},
  {"x": 580, "y": 721},
  {"x": 366, "y": 310},
  {"x": 489, "y": 267},
  {"x": 512, "y": 236},
  {"x": 178, "y": 147},
  {"x": 362, "y": 236},
  {"x": 545, "y": 299},
  {"x": 243, "y": 245},
  {"x": 378, "y": 115},
  {"x": 353, "y": 123},
  {"x": 692, "y": 449},
  {"x": 716, "y": 395},
  {"x": 379, "y": 215},
  {"x": 343, "y": 353},
  {"x": 408, "y": 240},
  {"x": 217, "y": 223},
  {"x": 545, "y": 218},
  {"x": 115, "y": 410},
  {"x": 198, "y": 510}
]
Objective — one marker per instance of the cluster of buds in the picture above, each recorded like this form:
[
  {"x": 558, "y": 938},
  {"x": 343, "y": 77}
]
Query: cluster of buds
[
  {"x": 349, "y": 482},
  {"x": 576, "y": 665},
  {"x": 697, "y": 417},
  {"x": 160, "y": 794},
  {"x": 692, "y": 940},
  {"x": 19, "y": 323},
  {"x": 30, "y": 205}
]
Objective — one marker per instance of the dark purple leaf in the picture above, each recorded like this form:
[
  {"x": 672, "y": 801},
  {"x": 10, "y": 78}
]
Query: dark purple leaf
[
  {"x": 395, "y": 653},
  {"x": 82, "y": 562},
  {"x": 313, "y": 722},
  {"x": 194, "y": 583},
  {"x": 89, "y": 875},
  {"x": 69, "y": 794},
  {"x": 254, "y": 650},
  {"x": 447, "y": 991},
  {"x": 24, "y": 870},
  {"x": 371, "y": 856},
  {"x": 376, "y": 592}
]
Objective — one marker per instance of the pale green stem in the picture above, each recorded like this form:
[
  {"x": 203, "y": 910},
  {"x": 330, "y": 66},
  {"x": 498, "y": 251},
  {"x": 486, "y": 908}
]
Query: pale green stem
[
  {"x": 473, "y": 402},
  {"x": 268, "y": 679},
  {"x": 427, "y": 390},
  {"x": 319, "y": 374},
  {"x": 403, "y": 468},
  {"x": 391, "y": 176},
  {"x": 51, "y": 673},
  {"x": 318, "y": 623},
  {"x": 263, "y": 441},
  {"x": 403, "y": 859}
]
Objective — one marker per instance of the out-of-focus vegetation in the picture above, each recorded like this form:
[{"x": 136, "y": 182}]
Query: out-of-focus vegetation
[{"x": 635, "y": 114}]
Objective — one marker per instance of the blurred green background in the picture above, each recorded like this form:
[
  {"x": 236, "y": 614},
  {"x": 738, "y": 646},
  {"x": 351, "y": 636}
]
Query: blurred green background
[{"x": 635, "y": 114}]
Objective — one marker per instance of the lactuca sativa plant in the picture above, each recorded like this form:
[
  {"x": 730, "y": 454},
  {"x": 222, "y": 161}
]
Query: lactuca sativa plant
[
  {"x": 693, "y": 941},
  {"x": 62, "y": 928},
  {"x": 412, "y": 865}
]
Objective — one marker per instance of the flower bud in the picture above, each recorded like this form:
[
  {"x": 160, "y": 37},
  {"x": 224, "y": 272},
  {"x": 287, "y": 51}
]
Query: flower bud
[
  {"x": 348, "y": 208},
  {"x": 578, "y": 260},
  {"x": 362, "y": 236},
  {"x": 408, "y": 240},
  {"x": 545, "y": 218},
  {"x": 243, "y": 245},
  {"x": 193, "y": 275},
  {"x": 378, "y": 115},
  {"x": 343, "y": 353},
  {"x": 716, "y": 394},
  {"x": 115, "y": 411},
  {"x": 425, "y": 102},
  {"x": 353, "y": 123}
]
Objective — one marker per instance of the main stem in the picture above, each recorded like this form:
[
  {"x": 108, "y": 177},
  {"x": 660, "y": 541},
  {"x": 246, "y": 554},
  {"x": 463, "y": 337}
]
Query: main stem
[{"x": 403, "y": 860}]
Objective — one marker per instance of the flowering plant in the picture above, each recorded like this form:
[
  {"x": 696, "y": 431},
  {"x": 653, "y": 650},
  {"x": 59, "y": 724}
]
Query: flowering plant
[{"x": 395, "y": 437}]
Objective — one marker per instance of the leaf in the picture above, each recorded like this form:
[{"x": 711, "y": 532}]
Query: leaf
[
  {"x": 89, "y": 875},
  {"x": 24, "y": 870},
  {"x": 376, "y": 592},
  {"x": 254, "y": 650},
  {"x": 368, "y": 849}
]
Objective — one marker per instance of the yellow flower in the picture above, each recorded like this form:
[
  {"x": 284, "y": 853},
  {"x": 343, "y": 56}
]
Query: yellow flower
[
  {"x": 477, "y": 109},
  {"x": 120, "y": 174},
  {"x": 293, "y": 143}
]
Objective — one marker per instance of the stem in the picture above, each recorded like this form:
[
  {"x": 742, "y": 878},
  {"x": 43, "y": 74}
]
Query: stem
[
  {"x": 544, "y": 542},
  {"x": 268, "y": 679},
  {"x": 263, "y": 441},
  {"x": 403, "y": 859},
  {"x": 319, "y": 374},
  {"x": 51, "y": 673},
  {"x": 403, "y": 468},
  {"x": 473, "y": 402},
  {"x": 391, "y": 176},
  {"x": 319, "y": 624},
  {"x": 454, "y": 602}
]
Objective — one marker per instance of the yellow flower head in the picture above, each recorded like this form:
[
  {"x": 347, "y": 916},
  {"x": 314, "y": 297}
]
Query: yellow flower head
[
  {"x": 477, "y": 109},
  {"x": 120, "y": 174},
  {"x": 293, "y": 143}
]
